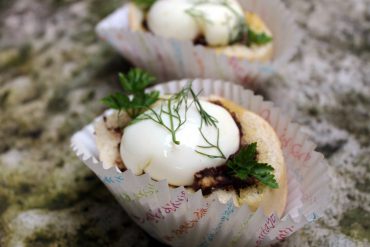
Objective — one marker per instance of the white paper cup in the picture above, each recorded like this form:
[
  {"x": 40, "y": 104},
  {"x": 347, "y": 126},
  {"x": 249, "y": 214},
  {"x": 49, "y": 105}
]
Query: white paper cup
[
  {"x": 176, "y": 217},
  {"x": 170, "y": 59}
]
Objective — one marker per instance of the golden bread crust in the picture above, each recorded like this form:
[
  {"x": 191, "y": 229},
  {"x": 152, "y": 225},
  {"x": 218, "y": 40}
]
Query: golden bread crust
[
  {"x": 256, "y": 129},
  {"x": 254, "y": 53}
]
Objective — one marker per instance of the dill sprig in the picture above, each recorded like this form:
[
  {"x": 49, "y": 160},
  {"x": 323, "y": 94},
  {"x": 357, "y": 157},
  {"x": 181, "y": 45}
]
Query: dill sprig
[
  {"x": 172, "y": 106},
  {"x": 134, "y": 100},
  {"x": 240, "y": 33},
  {"x": 173, "y": 114},
  {"x": 198, "y": 14},
  {"x": 205, "y": 117},
  {"x": 208, "y": 120},
  {"x": 211, "y": 145},
  {"x": 244, "y": 165}
]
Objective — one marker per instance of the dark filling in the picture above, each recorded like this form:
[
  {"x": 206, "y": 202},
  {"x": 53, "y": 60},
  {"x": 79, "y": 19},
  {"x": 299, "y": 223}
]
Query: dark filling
[
  {"x": 119, "y": 162},
  {"x": 200, "y": 40},
  {"x": 215, "y": 178},
  {"x": 145, "y": 24}
]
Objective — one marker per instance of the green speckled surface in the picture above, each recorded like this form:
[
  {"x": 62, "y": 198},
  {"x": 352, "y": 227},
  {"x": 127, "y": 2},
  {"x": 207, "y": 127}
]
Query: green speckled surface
[{"x": 53, "y": 71}]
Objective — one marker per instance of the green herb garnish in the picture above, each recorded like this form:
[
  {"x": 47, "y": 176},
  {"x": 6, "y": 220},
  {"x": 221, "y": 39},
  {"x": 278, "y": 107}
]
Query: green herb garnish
[
  {"x": 144, "y": 4},
  {"x": 137, "y": 103},
  {"x": 198, "y": 14},
  {"x": 244, "y": 165},
  {"x": 240, "y": 33},
  {"x": 172, "y": 106},
  {"x": 208, "y": 120},
  {"x": 176, "y": 120},
  {"x": 257, "y": 38},
  {"x": 134, "y": 100}
]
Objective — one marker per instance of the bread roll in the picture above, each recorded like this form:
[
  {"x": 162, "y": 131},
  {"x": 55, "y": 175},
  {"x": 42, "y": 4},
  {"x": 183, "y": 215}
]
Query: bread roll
[
  {"x": 253, "y": 128},
  {"x": 253, "y": 53}
]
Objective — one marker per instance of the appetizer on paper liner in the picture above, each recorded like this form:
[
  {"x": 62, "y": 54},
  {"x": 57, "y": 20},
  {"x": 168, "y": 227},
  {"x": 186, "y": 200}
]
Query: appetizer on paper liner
[
  {"x": 202, "y": 143},
  {"x": 220, "y": 25}
]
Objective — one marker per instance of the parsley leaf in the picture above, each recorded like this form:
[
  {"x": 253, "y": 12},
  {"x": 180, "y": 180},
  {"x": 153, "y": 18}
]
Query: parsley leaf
[
  {"x": 134, "y": 100},
  {"x": 244, "y": 165},
  {"x": 257, "y": 38},
  {"x": 144, "y": 4}
]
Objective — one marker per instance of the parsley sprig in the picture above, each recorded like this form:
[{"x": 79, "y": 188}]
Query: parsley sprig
[
  {"x": 176, "y": 121},
  {"x": 257, "y": 38},
  {"x": 144, "y": 4},
  {"x": 249, "y": 37},
  {"x": 244, "y": 165},
  {"x": 134, "y": 100}
]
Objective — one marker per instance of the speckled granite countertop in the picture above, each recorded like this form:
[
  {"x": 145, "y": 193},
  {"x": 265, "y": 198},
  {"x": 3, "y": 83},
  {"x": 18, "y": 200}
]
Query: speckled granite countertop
[{"x": 53, "y": 71}]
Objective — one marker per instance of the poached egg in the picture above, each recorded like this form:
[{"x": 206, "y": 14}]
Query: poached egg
[
  {"x": 149, "y": 147},
  {"x": 217, "y": 20}
]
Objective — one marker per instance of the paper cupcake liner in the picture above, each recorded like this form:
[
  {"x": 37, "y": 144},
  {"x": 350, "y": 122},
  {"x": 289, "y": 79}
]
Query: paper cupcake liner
[
  {"x": 177, "y": 217},
  {"x": 171, "y": 59}
]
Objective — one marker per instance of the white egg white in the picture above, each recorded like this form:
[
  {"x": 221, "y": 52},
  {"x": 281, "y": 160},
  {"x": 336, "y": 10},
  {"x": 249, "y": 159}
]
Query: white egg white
[
  {"x": 148, "y": 147},
  {"x": 216, "y": 20}
]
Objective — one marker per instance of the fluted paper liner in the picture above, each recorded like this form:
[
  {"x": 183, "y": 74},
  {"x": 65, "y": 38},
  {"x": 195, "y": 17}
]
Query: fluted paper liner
[
  {"x": 170, "y": 59},
  {"x": 177, "y": 217}
]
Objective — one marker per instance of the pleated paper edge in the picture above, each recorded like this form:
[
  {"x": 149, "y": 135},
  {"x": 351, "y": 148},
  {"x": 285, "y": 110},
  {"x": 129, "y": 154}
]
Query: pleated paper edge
[
  {"x": 173, "y": 59},
  {"x": 259, "y": 230}
]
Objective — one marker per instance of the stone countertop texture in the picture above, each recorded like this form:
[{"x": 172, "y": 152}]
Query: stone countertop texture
[{"x": 54, "y": 70}]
